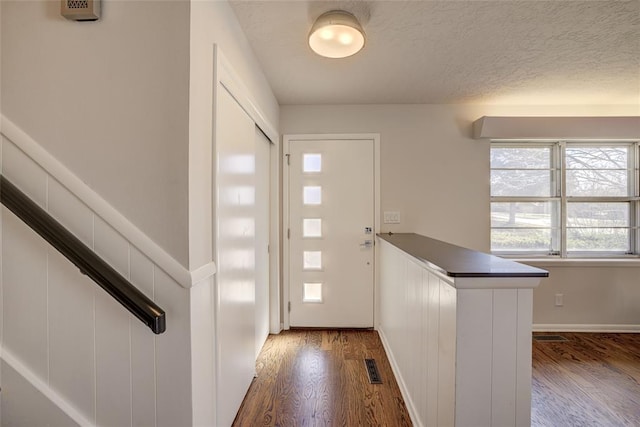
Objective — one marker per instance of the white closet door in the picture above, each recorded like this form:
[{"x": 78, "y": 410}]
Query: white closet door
[{"x": 236, "y": 255}]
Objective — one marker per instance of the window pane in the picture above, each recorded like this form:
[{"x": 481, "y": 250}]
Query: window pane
[
  {"x": 524, "y": 240},
  {"x": 533, "y": 183},
  {"x": 312, "y": 195},
  {"x": 312, "y": 260},
  {"x": 312, "y": 292},
  {"x": 598, "y": 214},
  {"x": 312, "y": 227},
  {"x": 521, "y": 157},
  {"x": 312, "y": 162},
  {"x": 601, "y": 182},
  {"x": 516, "y": 214},
  {"x": 593, "y": 172},
  {"x": 597, "y": 157},
  {"x": 597, "y": 239}
]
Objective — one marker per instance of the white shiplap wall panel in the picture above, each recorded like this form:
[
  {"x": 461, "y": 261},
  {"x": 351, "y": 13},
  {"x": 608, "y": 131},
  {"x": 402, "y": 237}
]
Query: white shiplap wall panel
[
  {"x": 431, "y": 324},
  {"x": 474, "y": 380},
  {"x": 414, "y": 329},
  {"x": 503, "y": 369},
  {"x": 25, "y": 308},
  {"x": 113, "y": 335},
  {"x": 71, "y": 334},
  {"x": 447, "y": 351},
  {"x": 113, "y": 365},
  {"x": 143, "y": 366},
  {"x": 25, "y": 406},
  {"x": 524, "y": 363}
]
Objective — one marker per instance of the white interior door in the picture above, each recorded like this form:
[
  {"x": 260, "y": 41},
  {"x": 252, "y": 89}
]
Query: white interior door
[{"x": 331, "y": 233}]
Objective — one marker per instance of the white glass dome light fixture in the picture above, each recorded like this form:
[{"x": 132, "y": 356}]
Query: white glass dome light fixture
[{"x": 336, "y": 34}]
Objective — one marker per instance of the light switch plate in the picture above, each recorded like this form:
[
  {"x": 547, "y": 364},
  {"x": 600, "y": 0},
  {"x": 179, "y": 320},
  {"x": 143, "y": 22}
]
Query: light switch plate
[{"x": 391, "y": 217}]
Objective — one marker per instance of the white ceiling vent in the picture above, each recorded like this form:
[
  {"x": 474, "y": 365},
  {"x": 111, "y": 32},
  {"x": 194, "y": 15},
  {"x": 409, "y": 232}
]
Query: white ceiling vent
[{"x": 81, "y": 10}]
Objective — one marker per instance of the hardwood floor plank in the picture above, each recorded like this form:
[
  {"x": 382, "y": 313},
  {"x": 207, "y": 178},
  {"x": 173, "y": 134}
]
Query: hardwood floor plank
[
  {"x": 318, "y": 378},
  {"x": 591, "y": 380}
]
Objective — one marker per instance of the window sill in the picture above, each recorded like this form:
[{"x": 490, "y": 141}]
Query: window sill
[{"x": 633, "y": 262}]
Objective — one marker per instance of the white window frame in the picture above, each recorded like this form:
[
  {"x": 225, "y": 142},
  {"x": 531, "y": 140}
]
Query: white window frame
[{"x": 558, "y": 186}]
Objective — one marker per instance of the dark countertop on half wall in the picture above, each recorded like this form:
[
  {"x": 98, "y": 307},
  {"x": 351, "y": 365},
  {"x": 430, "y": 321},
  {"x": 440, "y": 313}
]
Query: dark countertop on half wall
[{"x": 456, "y": 261}]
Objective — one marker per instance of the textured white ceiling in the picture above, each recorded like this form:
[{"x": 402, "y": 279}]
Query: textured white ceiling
[{"x": 515, "y": 52}]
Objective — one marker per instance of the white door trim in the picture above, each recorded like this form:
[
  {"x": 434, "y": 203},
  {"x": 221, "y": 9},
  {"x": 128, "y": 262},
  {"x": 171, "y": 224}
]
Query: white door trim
[{"x": 286, "y": 139}]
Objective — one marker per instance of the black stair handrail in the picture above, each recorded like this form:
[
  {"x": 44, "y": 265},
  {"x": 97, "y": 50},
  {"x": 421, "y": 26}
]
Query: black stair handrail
[{"x": 82, "y": 256}]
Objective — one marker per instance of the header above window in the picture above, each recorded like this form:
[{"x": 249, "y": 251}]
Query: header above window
[{"x": 600, "y": 128}]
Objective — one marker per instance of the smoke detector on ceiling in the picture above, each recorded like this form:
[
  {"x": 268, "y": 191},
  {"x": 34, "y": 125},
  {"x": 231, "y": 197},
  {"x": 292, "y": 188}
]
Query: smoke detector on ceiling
[{"x": 81, "y": 10}]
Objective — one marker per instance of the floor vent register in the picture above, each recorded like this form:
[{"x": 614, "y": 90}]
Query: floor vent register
[{"x": 372, "y": 371}]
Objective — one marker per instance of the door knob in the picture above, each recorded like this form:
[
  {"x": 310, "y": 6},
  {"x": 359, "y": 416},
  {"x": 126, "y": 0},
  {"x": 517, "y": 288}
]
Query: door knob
[{"x": 367, "y": 244}]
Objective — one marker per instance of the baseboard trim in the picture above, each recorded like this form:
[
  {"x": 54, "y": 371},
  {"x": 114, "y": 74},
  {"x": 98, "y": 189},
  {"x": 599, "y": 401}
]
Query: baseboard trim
[
  {"x": 565, "y": 327},
  {"x": 17, "y": 365},
  {"x": 413, "y": 413},
  {"x": 103, "y": 209}
]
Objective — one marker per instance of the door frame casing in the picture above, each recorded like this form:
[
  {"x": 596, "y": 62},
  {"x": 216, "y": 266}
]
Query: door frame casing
[{"x": 286, "y": 141}]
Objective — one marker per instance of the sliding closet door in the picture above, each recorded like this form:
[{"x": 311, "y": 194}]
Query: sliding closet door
[{"x": 236, "y": 254}]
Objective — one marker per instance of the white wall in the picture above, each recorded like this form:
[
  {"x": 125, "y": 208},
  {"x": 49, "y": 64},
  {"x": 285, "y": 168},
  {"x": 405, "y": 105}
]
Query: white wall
[
  {"x": 595, "y": 298},
  {"x": 437, "y": 176},
  {"x": 109, "y": 99},
  {"x": 431, "y": 169},
  {"x": 213, "y": 23}
]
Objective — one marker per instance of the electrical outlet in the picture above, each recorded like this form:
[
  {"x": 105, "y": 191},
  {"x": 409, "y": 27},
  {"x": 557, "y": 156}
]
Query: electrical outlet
[{"x": 559, "y": 300}]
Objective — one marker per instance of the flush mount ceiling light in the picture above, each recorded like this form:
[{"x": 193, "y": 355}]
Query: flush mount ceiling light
[{"x": 336, "y": 34}]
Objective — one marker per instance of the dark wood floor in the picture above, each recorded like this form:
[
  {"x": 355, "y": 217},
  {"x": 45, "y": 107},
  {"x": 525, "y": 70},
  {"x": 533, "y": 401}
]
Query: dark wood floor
[
  {"x": 318, "y": 378},
  {"x": 591, "y": 380}
]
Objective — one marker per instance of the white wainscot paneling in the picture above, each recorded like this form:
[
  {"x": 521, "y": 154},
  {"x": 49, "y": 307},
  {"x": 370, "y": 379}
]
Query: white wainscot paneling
[
  {"x": 447, "y": 344},
  {"x": 143, "y": 355},
  {"x": 113, "y": 335},
  {"x": 24, "y": 308},
  {"x": 431, "y": 331},
  {"x": 462, "y": 356},
  {"x": 85, "y": 349},
  {"x": 113, "y": 364},
  {"x": 23, "y": 405},
  {"x": 71, "y": 334},
  {"x": 68, "y": 342},
  {"x": 473, "y": 382}
]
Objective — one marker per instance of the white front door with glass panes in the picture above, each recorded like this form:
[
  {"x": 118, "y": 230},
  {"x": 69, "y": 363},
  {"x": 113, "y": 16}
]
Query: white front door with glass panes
[
  {"x": 564, "y": 198},
  {"x": 331, "y": 232}
]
